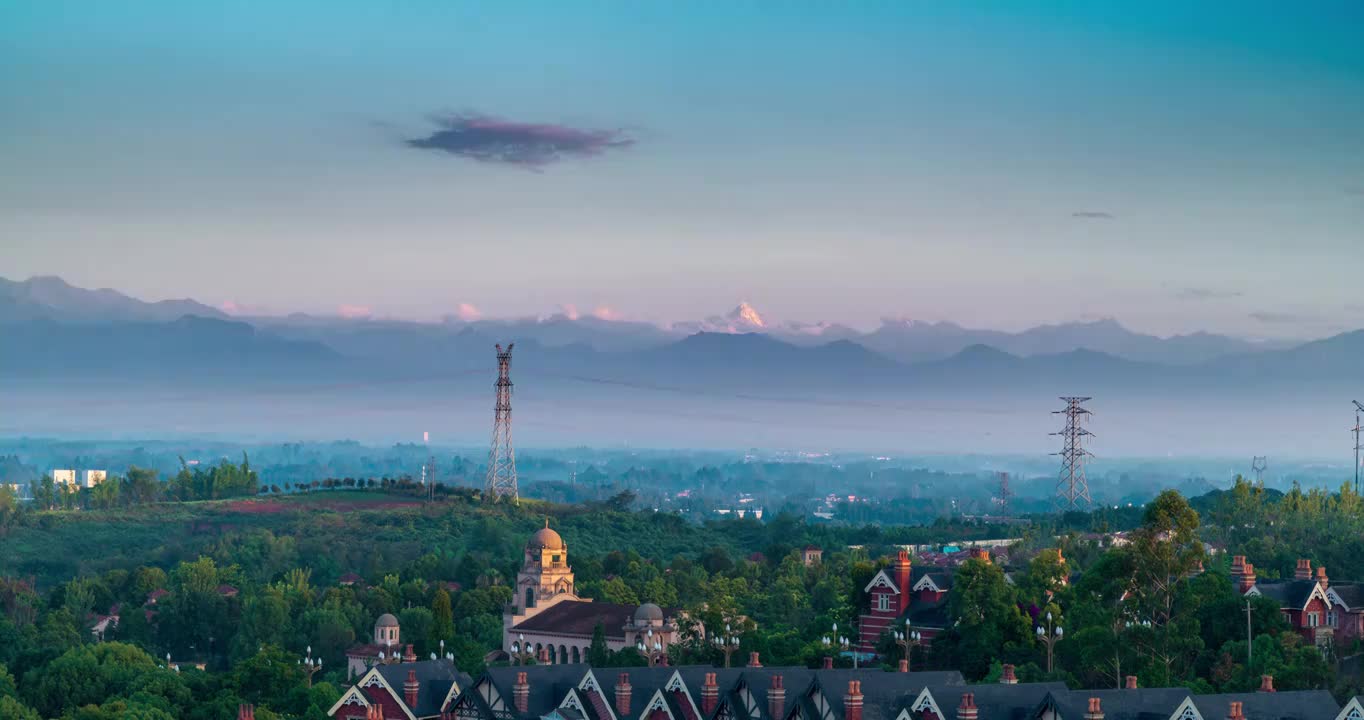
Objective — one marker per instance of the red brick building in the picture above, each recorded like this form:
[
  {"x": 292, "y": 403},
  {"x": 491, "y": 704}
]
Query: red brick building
[{"x": 1322, "y": 613}]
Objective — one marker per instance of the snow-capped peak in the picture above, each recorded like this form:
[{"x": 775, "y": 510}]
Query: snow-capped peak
[{"x": 746, "y": 315}]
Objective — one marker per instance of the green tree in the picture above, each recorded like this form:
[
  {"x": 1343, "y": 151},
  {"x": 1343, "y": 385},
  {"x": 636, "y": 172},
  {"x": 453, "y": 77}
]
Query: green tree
[{"x": 598, "y": 655}]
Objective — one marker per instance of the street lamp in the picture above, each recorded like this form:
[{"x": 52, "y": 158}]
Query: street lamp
[
  {"x": 1050, "y": 636},
  {"x": 841, "y": 642},
  {"x": 652, "y": 650},
  {"x": 520, "y": 650},
  {"x": 310, "y": 665},
  {"x": 907, "y": 639},
  {"x": 728, "y": 643}
]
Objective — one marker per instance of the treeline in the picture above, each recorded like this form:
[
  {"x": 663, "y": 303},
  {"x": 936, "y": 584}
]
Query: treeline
[{"x": 141, "y": 486}]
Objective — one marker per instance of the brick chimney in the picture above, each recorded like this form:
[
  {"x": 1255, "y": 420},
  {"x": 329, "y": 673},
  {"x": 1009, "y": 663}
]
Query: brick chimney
[
  {"x": 1008, "y": 678},
  {"x": 1234, "y": 713},
  {"x": 776, "y": 699},
  {"x": 246, "y": 712},
  {"x": 967, "y": 709},
  {"x": 1304, "y": 571},
  {"x": 904, "y": 665},
  {"x": 1321, "y": 577},
  {"x": 521, "y": 693},
  {"x": 1131, "y": 682},
  {"x": 1238, "y": 564},
  {"x": 623, "y": 694},
  {"x": 374, "y": 712},
  {"x": 1247, "y": 578},
  {"x": 410, "y": 688},
  {"x": 827, "y": 662},
  {"x": 902, "y": 573},
  {"x": 408, "y": 655},
  {"x": 1095, "y": 711},
  {"x": 852, "y": 702},
  {"x": 1266, "y": 683},
  {"x": 753, "y": 660},
  {"x": 542, "y": 656},
  {"x": 710, "y": 695}
]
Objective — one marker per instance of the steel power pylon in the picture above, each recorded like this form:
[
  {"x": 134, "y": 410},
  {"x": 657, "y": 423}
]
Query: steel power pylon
[
  {"x": 501, "y": 457},
  {"x": 1004, "y": 493},
  {"x": 1358, "y": 447},
  {"x": 1258, "y": 465},
  {"x": 1071, "y": 486}
]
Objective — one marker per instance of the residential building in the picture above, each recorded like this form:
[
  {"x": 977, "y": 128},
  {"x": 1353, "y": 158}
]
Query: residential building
[{"x": 1321, "y": 612}]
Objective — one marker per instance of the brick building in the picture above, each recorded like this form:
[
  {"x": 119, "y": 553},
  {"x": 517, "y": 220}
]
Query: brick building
[{"x": 1322, "y": 613}]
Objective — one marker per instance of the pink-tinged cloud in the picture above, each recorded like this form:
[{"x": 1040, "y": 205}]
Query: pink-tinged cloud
[
  {"x": 569, "y": 311},
  {"x": 602, "y": 312},
  {"x": 530, "y": 145},
  {"x": 230, "y": 308},
  {"x": 468, "y": 312},
  {"x": 353, "y": 312}
]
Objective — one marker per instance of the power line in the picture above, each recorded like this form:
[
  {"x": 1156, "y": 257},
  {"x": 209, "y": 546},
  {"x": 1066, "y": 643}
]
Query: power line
[
  {"x": 1072, "y": 486},
  {"x": 1356, "y": 429},
  {"x": 501, "y": 456}
]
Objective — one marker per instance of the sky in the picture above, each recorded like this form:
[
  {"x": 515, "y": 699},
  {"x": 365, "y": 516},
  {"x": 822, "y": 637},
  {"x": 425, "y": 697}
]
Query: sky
[{"x": 1179, "y": 166}]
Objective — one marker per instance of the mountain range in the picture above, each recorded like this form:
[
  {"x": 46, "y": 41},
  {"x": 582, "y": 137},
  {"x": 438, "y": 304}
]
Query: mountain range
[{"x": 607, "y": 379}]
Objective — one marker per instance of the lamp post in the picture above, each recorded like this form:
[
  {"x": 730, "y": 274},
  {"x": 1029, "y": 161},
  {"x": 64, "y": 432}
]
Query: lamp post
[
  {"x": 310, "y": 665},
  {"x": 652, "y": 650},
  {"x": 908, "y": 639},
  {"x": 520, "y": 650},
  {"x": 1050, "y": 636},
  {"x": 728, "y": 643},
  {"x": 841, "y": 642}
]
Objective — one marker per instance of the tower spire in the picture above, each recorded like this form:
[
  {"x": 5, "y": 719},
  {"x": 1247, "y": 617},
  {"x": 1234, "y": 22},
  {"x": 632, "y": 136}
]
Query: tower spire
[
  {"x": 1072, "y": 486},
  {"x": 502, "y": 457}
]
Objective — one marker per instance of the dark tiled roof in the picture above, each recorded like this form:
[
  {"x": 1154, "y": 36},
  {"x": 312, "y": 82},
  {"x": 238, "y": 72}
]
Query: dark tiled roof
[
  {"x": 1284, "y": 705},
  {"x": 1139, "y": 704},
  {"x": 548, "y": 684},
  {"x": 1351, "y": 593},
  {"x": 995, "y": 701},
  {"x": 579, "y": 617},
  {"x": 1291, "y": 594},
  {"x": 435, "y": 677}
]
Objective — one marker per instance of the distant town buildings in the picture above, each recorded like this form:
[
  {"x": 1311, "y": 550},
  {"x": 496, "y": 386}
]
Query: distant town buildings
[
  {"x": 79, "y": 478},
  {"x": 548, "y": 621}
]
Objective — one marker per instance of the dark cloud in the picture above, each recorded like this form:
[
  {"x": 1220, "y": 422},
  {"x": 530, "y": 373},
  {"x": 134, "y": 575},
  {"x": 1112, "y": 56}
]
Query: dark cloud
[
  {"x": 529, "y": 145},
  {"x": 1269, "y": 317},
  {"x": 1201, "y": 293},
  {"x": 1092, "y": 215}
]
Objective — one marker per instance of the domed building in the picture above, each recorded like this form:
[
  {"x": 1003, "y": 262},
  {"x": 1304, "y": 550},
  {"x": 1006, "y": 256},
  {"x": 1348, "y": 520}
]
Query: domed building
[
  {"x": 547, "y": 620},
  {"x": 386, "y": 647}
]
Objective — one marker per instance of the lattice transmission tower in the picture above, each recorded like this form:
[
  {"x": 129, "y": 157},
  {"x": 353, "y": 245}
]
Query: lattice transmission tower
[
  {"x": 1258, "y": 465},
  {"x": 501, "y": 457},
  {"x": 1071, "y": 485}
]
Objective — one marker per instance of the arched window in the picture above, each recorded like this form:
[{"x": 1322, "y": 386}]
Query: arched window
[
  {"x": 530, "y": 597},
  {"x": 576, "y": 657},
  {"x": 563, "y": 654}
]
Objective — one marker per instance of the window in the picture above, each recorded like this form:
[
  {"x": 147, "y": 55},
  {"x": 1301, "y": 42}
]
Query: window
[
  {"x": 1313, "y": 619},
  {"x": 554, "y": 559},
  {"x": 1332, "y": 619},
  {"x": 883, "y": 602}
]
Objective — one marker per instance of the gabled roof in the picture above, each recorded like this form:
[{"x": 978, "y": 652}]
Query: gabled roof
[
  {"x": 436, "y": 678},
  {"x": 1349, "y": 595},
  {"x": 994, "y": 701},
  {"x": 1291, "y": 594},
  {"x": 1353, "y": 710},
  {"x": 1282, "y": 705},
  {"x": 883, "y": 580}
]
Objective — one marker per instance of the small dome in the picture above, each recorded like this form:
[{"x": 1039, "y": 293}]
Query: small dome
[
  {"x": 386, "y": 620},
  {"x": 647, "y": 613},
  {"x": 546, "y": 539}
]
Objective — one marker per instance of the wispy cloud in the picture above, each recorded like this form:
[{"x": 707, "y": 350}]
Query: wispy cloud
[
  {"x": 1092, "y": 215},
  {"x": 1203, "y": 293},
  {"x": 529, "y": 145},
  {"x": 1270, "y": 317},
  {"x": 603, "y": 312}
]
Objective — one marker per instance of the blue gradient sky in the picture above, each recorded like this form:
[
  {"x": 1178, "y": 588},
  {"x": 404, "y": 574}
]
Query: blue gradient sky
[{"x": 826, "y": 161}]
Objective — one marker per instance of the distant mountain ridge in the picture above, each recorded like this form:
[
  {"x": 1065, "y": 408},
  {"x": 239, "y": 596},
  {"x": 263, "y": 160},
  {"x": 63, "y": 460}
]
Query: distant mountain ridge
[{"x": 52, "y": 298}]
